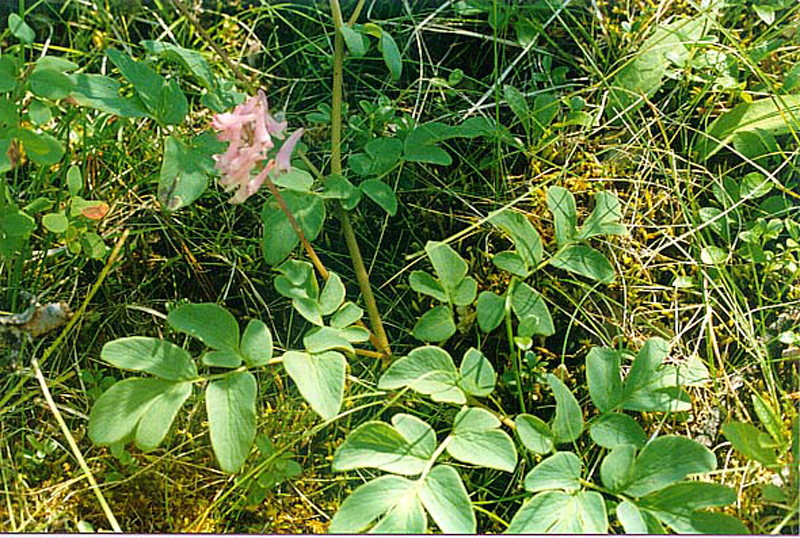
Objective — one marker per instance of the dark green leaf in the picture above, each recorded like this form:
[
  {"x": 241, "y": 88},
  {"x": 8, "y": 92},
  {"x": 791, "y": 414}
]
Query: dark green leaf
[
  {"x": 102, "y": 93},
  {"x": 190, "y": 60},
  {"x": 435, "y": 325},
  {"x": 490, "y": 310},
  {"x": 568, "y": 422},
  {"x": 279, "y": 237},
  {"x": 209, "y": 322},
  {"x": 565, "y": 216},
  {"x": 604, "y": 219},
  {"x": 50, "y": 84},
  {"x": 528, "y": 304},
  {"x": 614, "y": 429},
  {"x": 584, "y": 261},
  {"x": 185, "y": 170},
  {"x": 603, "y": 377},
  {"x": 41, "y": 148},
  {"x": 525, "y": 237},
  {"x": 391, "y": 55},
  {"x": 380, "y": 193}
]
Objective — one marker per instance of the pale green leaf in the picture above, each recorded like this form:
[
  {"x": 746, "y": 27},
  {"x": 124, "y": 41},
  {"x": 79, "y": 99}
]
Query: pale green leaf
[
  {"x": 477, "y": 376},
  {"x": 445, "y": 498},
  {"x": 490, "y": 310},
  {"x": 231, "y": 408},
  {"x": 319, "y": 378},
  {"x": 562, "y": 470},
  {"x": 535, "y": 434},
  {"x": 160, "y": 414},
  {"x": 667, "y": 460},
  {"x": 256, "y": 343},
  {"x": 435, "y": 325},
  {"x": 209, "y": 322},
  {"x": 568, "y": 422},
  {"x": 152, "y": 355},
  {"x": 428, "y": 370}
]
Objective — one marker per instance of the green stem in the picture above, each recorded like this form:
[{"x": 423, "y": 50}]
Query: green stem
[
  {"x": 515, "y": 356},
  {"x": 336, "y": 168}
]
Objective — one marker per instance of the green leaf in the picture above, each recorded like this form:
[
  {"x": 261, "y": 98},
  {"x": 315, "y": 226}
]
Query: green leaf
[
  {"x": 15, "y": 227},
  {"x": 348, "y": 314},
  {"x": 422, "y": 282},
  {"x": 222, "y": 359},
  {"x": 256, "y": 343},
  {"x": 490, "y": 311},
  {"x": 562, "y": 470},
  {"x": 279, "y": 237},
  {"x": 633, "y": 520},
  {"x": 231, "y": 408},
  {"x": 477, "y": 374},
  {"x": 419, "y": 144},
  {"x": 157, "y": 420},
  {"x": 525, "y": 237},
  {"x": 332, "y": 295},
  {"x": 428, "y": 370},
  {"x": 297, "y": 281},
  {"x": 152, "y": 355},
  {"x": 556, "y": 512},
  {"x": 322, "y": 339},
  {"x": 449, "y": 266},
  {"x": 769, "y": 419},
  {"x": 20, "y": 29},
  {"x": 528, "y": 304},
  {"x": 209, "y": 322},
  {"x": 617, "y": 468},
  {"x": 435, "y": 325},
  {"x": 444, "y": 496},
  {"x": 118, "y": 410},
  {"x": 614, "y": 429},
  {"x": 381, "y": 446},
  {"x": 319, "y": 378},
  {"x": 478, "y": 439},
  {"x": 513, "y": 263},
  {"x": 535, "y": 434},
  {"x": 309, "y": 309},
  {"x": 374, "y": 499},
  {"x": 604, "y": 218},
  {"x": 9, "y": 70},
  {"x": 356, "y": 43},
  {"x": 746, "y": 438},
  {"x": 565, "y": 216},
  {"x": 102, "y": 93},
  {"x": 678, "y": 506},
  {"x": 773, "y": 115},
  {"x": 41, "y": 148},
  {"x": 338, "y": 187},
  {"x": 74, "y": 180},
  {"x": 667, "y": 460},
  {"x": 295, "y": 180},
  {"x": 603, "y": 377},
  {"x": 381, "y": 155},
  {"x": 380, "y": 193},
  {"x": 649, "y": 385},
  {"x": 545, "y": 108},
  {"x": 50, "y": 84},
  {"x": 754, "y": 185},
  {"x": 185, "y": 170},
  {"x": 55, "y": 222},
  {"x": 190, "y": 60},
  {"x": 465, "y": 292},
  {"x": 516, "y": 101},
  {"x": 584, "y": 261},
  {"x": 391, "y": 55},
  {"x": 568, "y": 422}
]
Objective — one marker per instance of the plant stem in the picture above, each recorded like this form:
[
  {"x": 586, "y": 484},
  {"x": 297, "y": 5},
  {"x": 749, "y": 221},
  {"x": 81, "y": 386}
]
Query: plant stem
[{"x": 336, "y": 168}]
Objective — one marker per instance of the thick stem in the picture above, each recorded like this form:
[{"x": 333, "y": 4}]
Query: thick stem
[{"x": 336, "y": 168}]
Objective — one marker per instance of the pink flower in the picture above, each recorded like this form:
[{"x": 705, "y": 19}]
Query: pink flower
[{"x": 250, "y": 129}]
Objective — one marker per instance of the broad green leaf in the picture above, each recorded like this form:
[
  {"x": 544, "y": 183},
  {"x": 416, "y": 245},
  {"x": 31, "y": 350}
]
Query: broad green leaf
[
  {"x": 584, "y": 261},
  {"x": 667, "y": 460},
  {"x": 525, "y": 237},
  {"x": 185, "y": 170},
  {"x": 435, "y": 325},
  {"x": 309, "y": 309},
  {"x": 604, "y": 218},
  {"x": 391, "y": 55},
  {"x": 478, "y": 439},
  {"x": 713, "y": 255},
  {"x": 512, "y": 262},
  {"x": 419, "y": 144},
  {"x": 256, "y": 343},
  {"x": 279, "y": 237},
  {"x": 209, "y": 322},
  {"x": 755, "y": 185},
  {"x": 371, "y": 501},
  {"x": 15, "y": 227},
  {"x": 152, "y": 355},
  {"x": 428, "y": 370},
  {"x": 102, "y": 93},
  {"x": 294, "y": 180},
  {"x": 381, "y": 446},
  {"x": 477, "y": 374},
  {"x": 422, "y": 282},
  {"x": 773, "y": 115},
  {"x": 222, "y": 359},
  {"x": 55, "y": 222},
  {"x": 616, "y": 471},
  {"x": 614, "y": 429},
  {"x": 449, "y": 266},
  {"x": 379, "y": 157},
  {"x": 160, "y": 414},
  {"x": 380, "y": 193},
  {"x": 322, "y": 339},
  {"x": 490, "y": 310},
  {"x": 568, "y": 422},
  {"x": 332, "y": 295},
  {"x": 651, "y": 386},
  {"x": 338, "y": 187},
  {"x": 528, "y": 304},
  {"x": 769, "y": 419},
  {"x": 41, "y": 148},
  {"x": 517, "y": 104},
  {"x": 603, "y": 377},
  {"x": 417, "y": 432},
  {"x": 74, "y": 180},
  {"x": 356, "y": 42},
  {"x": 50, "y": 84},
  {"x": 535, "y": 434},
  {"x": 565, "y": 216},
  {"x": 231, "y": 408},
  {"x": 677, "y": 506},
  {"x": 562, "y": 470},
  {"x": 406, "y": 517},
  {"x": 746, "y": 438},
  {"x": 632, "y": 519},
  {"x": 444, "y": 496},
  {"x": 465, "y": 292},
  {"x": 556, "y": 512},
  {"x": 20, "y": 29},
  {"x": 319, "y": 378},
  {"x": 297, "y": 280},
  {"x": 347, "y": 314},
  {"x": 118, "y": 410},
  {"x": 545, "y": 108},
  {"x": 190, "y": 60},
  {"x": 8, "y": 74}
]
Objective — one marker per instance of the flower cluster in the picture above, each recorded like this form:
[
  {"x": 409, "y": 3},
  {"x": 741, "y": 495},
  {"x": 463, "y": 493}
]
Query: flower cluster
[{"x": 250, "y": 129}]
